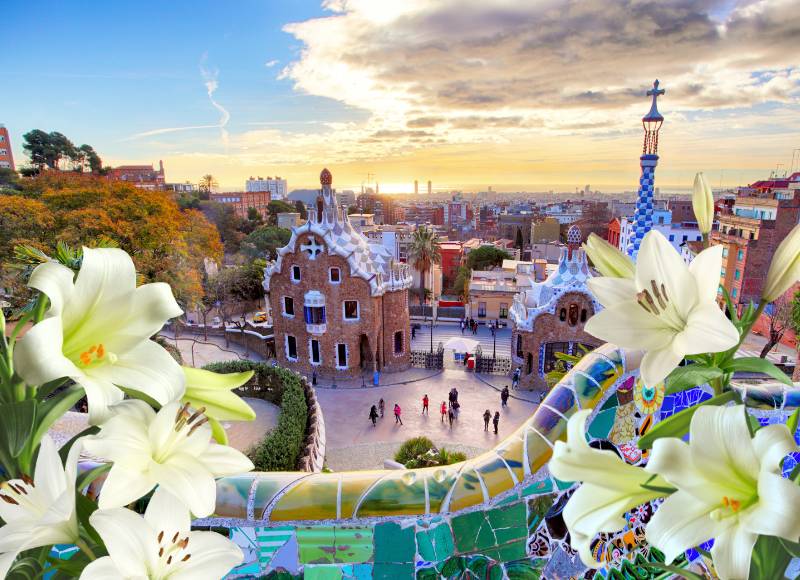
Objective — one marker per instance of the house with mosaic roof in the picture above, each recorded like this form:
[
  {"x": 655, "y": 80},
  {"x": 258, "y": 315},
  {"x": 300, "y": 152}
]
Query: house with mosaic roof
[
  {"x": 549, "y": 317},
  {"x": 339, "y": 303}
]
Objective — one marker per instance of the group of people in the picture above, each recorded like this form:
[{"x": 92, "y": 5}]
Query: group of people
[
  {"x": 470, "y": 324},
  {"x": 449, "y": 409}
]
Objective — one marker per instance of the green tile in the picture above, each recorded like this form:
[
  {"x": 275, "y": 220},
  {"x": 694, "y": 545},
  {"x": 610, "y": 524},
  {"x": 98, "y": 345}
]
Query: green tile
[
  {"x": 322, "y": 573},
  {"x": 537, "y": 509},
  {"x": 394, "y": 543},
  {"x": 353, "y": 544},
  {"x": 357, "y": 572},
  {"x": 316, "y": 545},
  {"x": 539, "y": 487},
  {"x": 466, "y": 529},
  {"x": 435, "y": 544},
  {"x": 508, "y": 552},
  {"x": 392, "y": 571},
  {"x": 507, "y": 517}
]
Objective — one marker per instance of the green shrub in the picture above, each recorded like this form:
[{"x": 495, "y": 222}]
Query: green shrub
[
  {"x": 413, "y": 448},
  {"x": 421, "y": 452},
  {"x": 280, "y": 449},
  {"x": 170, "y": 347}
]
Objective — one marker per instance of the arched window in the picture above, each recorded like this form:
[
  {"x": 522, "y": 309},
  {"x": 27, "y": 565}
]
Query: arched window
[
  {"x": 573, "y": 314},
  {"x": 562, "y": 316},
  {"x": 519, "y": 345},
  {"x": 583, "y": 315},
  {"x": 529, "y": 364}
]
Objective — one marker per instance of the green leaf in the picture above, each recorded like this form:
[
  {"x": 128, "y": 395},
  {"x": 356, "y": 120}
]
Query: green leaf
[
  {"x": 52, "y": 410},
  {"x": 791, "y": 424},
  {"x": 16, "y": 425},
  {"x": 770, "y": 559},
  {"x": 64, "y": 451},
  {"x": 731, "y": 308},
  {"x": 678, "y": 424},
  {"x": 792, "y": 547},
  {"x": 689, "y": 376},
  {"x": 85, "y": 479},
  {"x": 754, "y": 364},
  {"x": 84, "y": 508},
  {"x": 681, "y": 572}
]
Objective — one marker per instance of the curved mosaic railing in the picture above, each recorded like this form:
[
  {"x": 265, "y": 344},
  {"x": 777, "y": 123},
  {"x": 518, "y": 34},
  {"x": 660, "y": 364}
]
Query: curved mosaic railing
[{"x": 281, "y": 497}]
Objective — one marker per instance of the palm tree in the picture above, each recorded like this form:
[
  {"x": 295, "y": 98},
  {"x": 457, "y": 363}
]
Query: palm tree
[
  {"x": 208, "y": 183},
  {"x": 423, "y": 252}
]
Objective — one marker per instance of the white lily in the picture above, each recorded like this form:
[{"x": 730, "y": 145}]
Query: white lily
[
  {"x": 607, "y": 259},
  {"x": 610, "y": 487},
  {"x": 39, "y": 512},
  {"x": 97, "y": 332},
  {"x": 784, "y": 270},
  {"x": 703, "y": 204},
  {"x": 213, "y": 392},
  {"x": 159, "y": 545},
  {"x": 668, "y": 309},
  {"x": 729, "y": 488},
  {"x": 171, "y": 448}
]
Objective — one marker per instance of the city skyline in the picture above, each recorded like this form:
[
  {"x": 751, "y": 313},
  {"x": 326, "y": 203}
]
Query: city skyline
[{"x": 534, "y": 97}]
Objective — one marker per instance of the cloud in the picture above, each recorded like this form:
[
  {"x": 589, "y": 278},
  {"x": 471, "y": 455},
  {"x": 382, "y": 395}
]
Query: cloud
[
  {"x": 271, "y": 63},
  {"x": 473, "y": 66},
  {"x": 212, "y": 84}
]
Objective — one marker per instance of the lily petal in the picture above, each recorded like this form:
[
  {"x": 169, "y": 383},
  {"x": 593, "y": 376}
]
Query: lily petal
[
  {"x": 49, "y": 476},
  {"x": 732, "y": 552},
  {"x": 671, "y": 458},
  {"x": 184, "y": 477},
  {"x": 213, "y": 556},
  {"x": 771, "y": 444},
  {"x": 777, "y": 509},
  {"x": 707, "y": 330},
  {"x": 680, "y": 523},
  {"x": 101, "y": 394},
  {"x": 166, "y": 512},
  {"x": 123, "y": 486},
  {"x": 38, "y": 356},
  {"x": 55, "y": 281},
  {"x": 129, "y": 540},
  {"x": 706, "y": 267},
  {"x": 222, "y": 461},
  {"x": 628, "y": 325},
  {"x": 658, "y": 260},
  {"x": 101, "y": 569},
  {"x": 610, "y": 291},
  {"x": 658, "y": 363}
]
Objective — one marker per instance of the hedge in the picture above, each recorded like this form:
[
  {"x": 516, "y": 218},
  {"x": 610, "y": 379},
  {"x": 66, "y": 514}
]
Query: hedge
[{"x": 280, "y": 449}]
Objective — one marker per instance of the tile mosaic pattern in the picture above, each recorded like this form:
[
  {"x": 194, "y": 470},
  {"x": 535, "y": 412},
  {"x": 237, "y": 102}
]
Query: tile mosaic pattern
[{"x": 643, "y": 214}]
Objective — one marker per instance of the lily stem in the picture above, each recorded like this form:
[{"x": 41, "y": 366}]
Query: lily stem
[{"x": 86, "y": 549}]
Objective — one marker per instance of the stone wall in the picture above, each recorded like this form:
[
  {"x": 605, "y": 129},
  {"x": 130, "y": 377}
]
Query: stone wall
[
  {"x": 550, "y": 328},
  {"x": 313, "y": 456}
]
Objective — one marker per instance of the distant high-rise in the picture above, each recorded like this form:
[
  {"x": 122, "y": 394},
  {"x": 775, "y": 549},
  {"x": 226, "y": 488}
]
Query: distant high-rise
[
  {"x": 277, "y": 187},
  {"x": 416, "y": 187},
  {"x": 6, "y": 157},
  {"x": 430, "y": 187}
]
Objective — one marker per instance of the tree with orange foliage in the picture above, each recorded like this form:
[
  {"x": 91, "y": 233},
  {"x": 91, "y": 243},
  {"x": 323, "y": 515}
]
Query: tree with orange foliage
[{"x": 166, "y": 244}]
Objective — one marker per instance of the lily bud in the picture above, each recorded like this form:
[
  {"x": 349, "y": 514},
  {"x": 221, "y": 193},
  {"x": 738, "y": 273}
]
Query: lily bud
[
  {"x": 608, "y": 260},
  {"x": 785, "y": 267},
  {"x": 703, "y": 204}
]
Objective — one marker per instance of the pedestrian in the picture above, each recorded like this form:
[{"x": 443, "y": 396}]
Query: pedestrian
[
  {"x": 381, "y": 406},
  {"x": 487, "y": 416},
  {"x": 451, "y": 396},
  {"x": 496, "y": 421},
  {"x": 456, "y": 409},
  {"x": 397, "y": 411},
  {"x": 413, "y": 332},
  {"x": 515, "y": 378},
  {"x": 451, "y": 414},
  {"x": 504, "y": 394},
  {"x": 373, "y": 415},
  {"x": 443, "y": 410},
  {"x": 314, "y": 377},
  {"x": 463, "y": 325},
  {"x": 475, "y": 328},
  {"x": 455, "y": 395},
  {"x": 376, "y": 378},
  {"x": 425, "y": 405},
  {"x": 491, "y": 327}
]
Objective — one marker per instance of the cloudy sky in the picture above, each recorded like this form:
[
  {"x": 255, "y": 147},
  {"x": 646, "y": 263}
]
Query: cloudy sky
[{"x": 533, "y": 94}]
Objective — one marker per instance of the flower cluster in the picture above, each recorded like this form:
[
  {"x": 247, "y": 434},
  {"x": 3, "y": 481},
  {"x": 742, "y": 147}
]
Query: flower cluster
[{"x": 96, "y": 333}]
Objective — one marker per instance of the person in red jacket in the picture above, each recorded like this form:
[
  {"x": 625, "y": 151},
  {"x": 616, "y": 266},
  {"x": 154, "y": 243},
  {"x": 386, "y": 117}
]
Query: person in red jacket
[
  {"x": 443, "y": 410},
  {"x": 425, "y": 405},
  {"x": 397, "y": 412}
]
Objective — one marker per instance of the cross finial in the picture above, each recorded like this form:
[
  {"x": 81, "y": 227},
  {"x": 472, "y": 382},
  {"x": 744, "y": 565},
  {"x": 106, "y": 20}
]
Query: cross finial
[{"x": 654, "y": 92}]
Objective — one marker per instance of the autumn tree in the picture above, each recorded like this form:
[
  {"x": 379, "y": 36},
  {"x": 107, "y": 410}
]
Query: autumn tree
[
  {"x": 265, "y": 241},
  {"x": 208, "y": 183}
]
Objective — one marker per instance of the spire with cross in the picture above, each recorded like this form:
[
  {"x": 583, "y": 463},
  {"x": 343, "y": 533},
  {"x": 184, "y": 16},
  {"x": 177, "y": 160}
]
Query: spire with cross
[{"x": 643, "y": 216}]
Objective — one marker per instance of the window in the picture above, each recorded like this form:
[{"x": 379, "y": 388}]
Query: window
[
  {"x": 573, "y": 314},
  {"x": 295, "y": 273},
  {"x": 583, "y": 315},
  {"x": 550, "y": 350},
  {"x": 562, "y": 315},
  {"x": 685, "y": 238},
  {"x": 737, "y": 274},
  {"x": 398, "y": 342},
  {"x": 481, "y": 309},
  {"x": 519, "y": 345},
  {"x": 740, "y": 255},
  {"x": 734, "y": 293},
  {"x": 341, "y": 356},
  {"x": 672, "y": 237},
  {"x": 315, "y": 358},
  {"x": 350, "y": 309},
  {"x": 722, "y": 272},
  {"x": 291, "y": 347},
  {"x": 3, "y": 151},
  {"x": 288, "y": 306},
  {"x": 314, "y": 314},
  {"x": 503, "y": 310},
  {"x": 335, "y": 275}
]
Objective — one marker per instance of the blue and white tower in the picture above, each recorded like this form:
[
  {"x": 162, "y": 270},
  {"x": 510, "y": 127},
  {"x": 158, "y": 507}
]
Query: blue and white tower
[{"x": 643, "y": 216}]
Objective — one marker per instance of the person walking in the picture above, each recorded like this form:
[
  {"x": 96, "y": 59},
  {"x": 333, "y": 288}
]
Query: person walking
[
  {"x": 381, "y": 406},
  {"x": 314, "y": 377},
  {"x": 504, "y": 394},
  {"x": 515, "y": 378},
  {"x": 451, "y": 414},
  {"x": 443, "y": 410},
  {"x": 373, "y": 415},
  {"x": 425, "y": 405},
  {"x": 487, "y": 416},
  {"x": 463, "y": 326},
  {"x": 413, "y": 332},
  {"x": 496, "y": 421},
  {"x": 397, "y": 412},
  {"x": 455, "y": 395}
]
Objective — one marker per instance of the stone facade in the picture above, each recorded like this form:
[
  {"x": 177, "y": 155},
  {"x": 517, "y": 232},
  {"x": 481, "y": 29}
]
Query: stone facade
[{"x": 339, "y": 304}]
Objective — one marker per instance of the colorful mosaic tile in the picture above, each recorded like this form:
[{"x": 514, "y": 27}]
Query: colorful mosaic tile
[{"x": 394, "y": 543}]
